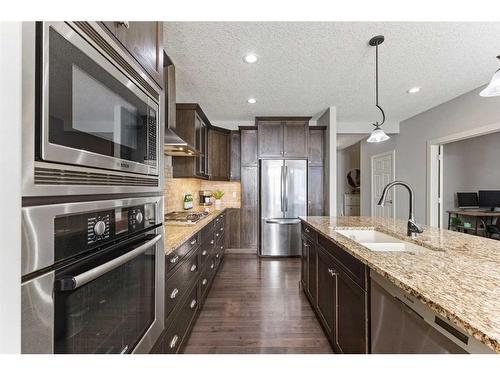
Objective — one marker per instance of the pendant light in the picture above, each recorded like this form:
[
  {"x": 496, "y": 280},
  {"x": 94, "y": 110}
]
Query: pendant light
[
  {"x": 377, "y": 135},
  {"x": 493, "y": 89}
]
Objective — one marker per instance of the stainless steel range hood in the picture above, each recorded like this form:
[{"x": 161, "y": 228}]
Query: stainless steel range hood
[
  {"x": 176, "y": 146},
  {"x": 173, "y": 144}
]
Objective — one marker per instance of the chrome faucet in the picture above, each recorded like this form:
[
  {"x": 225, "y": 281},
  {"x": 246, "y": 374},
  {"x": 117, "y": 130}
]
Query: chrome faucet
[{"x": 413, "y": 227}]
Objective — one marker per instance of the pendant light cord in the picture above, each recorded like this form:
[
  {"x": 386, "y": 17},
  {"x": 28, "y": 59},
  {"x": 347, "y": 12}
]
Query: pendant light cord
[{"x": 376, "y": 88}]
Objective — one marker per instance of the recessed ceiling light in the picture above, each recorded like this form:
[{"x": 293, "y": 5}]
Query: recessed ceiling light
[
  {"x": 250, "y": 58},
  {"x": 413, "y": 90},
  {"x": 252, "y": 101}
]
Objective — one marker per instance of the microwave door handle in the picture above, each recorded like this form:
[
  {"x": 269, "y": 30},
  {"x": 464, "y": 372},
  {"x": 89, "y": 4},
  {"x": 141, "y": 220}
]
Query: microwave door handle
[{"x": 74, "y": 282}]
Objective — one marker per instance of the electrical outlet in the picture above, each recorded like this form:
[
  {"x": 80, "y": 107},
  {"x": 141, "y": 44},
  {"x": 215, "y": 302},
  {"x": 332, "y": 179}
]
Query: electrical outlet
[{"x": 234, "y": 194}]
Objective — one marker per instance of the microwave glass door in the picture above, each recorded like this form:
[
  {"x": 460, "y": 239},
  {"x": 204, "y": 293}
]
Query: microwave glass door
[
  {"x": 93, "y": 111},
  {"x": 111, "y": 313}
]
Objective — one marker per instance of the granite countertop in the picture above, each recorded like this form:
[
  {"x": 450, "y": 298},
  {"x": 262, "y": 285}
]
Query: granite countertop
[
  {"x": 457, "y": 275},
  {"x": 176, "y": 234}
]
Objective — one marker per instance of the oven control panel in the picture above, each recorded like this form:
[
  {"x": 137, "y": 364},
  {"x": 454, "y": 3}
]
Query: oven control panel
[{"x": 77, "y": 233}]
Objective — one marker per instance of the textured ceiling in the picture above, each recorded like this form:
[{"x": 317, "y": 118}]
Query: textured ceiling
[{"x": 305, "y": 67}]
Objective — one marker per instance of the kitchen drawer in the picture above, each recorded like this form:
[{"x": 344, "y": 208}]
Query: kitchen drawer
[
  {"x": 218, "y": 236},
  {"x": 356, "y": 270},
  {"x": 177, "y": 331},
  {"x": 180, "y": 282},
  {"x": 309, "y": 232},
  {"x": 175, "y": 257},
  {"x": 206, "y": 250},
  {"x": 206, "y": 232}
]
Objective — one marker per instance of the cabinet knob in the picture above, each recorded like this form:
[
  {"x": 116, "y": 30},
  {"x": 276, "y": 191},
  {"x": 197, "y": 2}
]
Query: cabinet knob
[
  {"x": 193, "y": 268},
  {"x": 125, "y": 24},
  {"x": 204, "y": 282},
  {"x": 173, "y": 342},
  {"x": 174, "y": 293},
  {"x": 174, "y": 259},
  {"x": 204, "y": 253},
  {"x": 212, "y": 242},
  {"x": 192, "y": 304},
  {"x": 193, "y": 242}
]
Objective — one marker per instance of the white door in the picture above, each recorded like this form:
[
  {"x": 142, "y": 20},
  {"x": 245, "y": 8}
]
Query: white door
[{"x": 382, "y": 168}]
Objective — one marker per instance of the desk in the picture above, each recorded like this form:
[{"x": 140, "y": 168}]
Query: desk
[{"x": 477, "y": 215}]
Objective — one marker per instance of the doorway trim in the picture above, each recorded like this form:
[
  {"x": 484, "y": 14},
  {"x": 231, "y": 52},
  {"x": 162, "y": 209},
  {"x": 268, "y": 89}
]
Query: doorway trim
[
  {"x": 393, "y": 153},
  {"x": 435, "y": 173}
]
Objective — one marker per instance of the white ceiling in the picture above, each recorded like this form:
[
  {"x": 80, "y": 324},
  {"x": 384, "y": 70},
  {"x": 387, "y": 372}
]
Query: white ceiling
[{"x": 305, "y": 67}]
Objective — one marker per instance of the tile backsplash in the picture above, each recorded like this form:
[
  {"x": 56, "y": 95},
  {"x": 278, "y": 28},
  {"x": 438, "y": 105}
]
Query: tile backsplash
[{"x": 175, "y": 188}]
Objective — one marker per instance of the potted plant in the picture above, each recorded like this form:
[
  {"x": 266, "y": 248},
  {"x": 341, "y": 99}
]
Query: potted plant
[{"x": 218, "y": 194}]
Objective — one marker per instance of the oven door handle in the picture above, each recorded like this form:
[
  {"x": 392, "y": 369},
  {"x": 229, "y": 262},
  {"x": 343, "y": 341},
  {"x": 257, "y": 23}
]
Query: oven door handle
[{"x": 74, "y": 282}]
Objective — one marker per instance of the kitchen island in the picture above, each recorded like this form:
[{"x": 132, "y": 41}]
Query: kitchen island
[{"x": 454, "y": 274}]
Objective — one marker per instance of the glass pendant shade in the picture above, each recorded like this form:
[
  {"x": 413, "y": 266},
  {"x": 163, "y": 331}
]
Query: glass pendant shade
[
  {"x": 377, "y": 135},
  {"x": 493, "y": 89}
]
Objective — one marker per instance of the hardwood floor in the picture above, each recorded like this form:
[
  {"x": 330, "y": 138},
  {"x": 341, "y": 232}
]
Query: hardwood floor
[{"x": 255, "y": 306}]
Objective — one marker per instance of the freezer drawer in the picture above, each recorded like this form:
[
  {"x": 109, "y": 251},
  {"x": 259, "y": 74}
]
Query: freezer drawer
[{"x": 280, "y": 237}]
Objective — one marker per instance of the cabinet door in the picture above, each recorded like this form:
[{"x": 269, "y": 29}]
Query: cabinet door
[
  {"x": 315, "y": 192},
  {"x": 249, "y": 207},
  {"x": 201, "y": 146},
  {"x": 303, "y": 264},
  {"x": 270, "y": 134},
  {"x": 312, "y": 272},
  {"x": 144, "y": 41},
  {"x": 316, "y": 147},
  {"x": 327, "y": 285},
  {"x": 249, "y": 148},
  {"x": 235, "y": 159},
  {"x": 351, "y": 335},
  {"x": 218, "y": 150},
  {"x": 248, "y": 228},
  {"x": 295, "y": 135}
]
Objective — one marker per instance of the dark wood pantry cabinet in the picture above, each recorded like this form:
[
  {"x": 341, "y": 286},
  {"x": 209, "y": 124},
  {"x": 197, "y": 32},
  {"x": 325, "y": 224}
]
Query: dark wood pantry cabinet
[
  {"x": 144, "y": 41},
  {"x": 316, "y": 171},
  {"x": 341, "y": 300}
]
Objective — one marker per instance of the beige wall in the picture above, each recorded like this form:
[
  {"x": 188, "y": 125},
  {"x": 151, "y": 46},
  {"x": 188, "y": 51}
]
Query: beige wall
[{"x": 175, "y": 188}]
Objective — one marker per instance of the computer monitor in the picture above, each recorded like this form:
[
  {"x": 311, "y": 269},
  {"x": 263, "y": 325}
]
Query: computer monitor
[
  {"x": 467, "y": 200},
  {"x": 489, "y": 198}
]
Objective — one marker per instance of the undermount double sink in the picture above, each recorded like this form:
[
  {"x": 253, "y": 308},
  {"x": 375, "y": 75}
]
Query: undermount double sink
[{"x": 378, "y": 241}]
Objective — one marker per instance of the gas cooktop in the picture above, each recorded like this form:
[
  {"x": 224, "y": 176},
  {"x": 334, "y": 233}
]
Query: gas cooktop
[{"x": 184, "y": 217}]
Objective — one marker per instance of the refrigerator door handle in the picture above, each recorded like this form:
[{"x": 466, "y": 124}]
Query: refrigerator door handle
[
  {"x": 282, "y": 189},
  {"x": 286, "y": 189}
]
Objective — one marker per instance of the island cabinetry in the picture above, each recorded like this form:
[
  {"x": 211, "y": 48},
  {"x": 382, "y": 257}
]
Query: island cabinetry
[{"x": 341, "y": 299}]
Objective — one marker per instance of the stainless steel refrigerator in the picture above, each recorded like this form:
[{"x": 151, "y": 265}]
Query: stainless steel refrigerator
[{"x": 283, "y": 198}]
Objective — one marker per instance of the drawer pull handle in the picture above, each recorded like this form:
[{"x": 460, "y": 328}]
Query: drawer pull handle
[
  {"x": 193, "y": 241},
  {"x": 174, "y": 293},
  {"x": 192, "y": 304},
  {"x": 217, "y": 256},
  {"x": 204, "y": 253},
  {"x": 193, "y": 268},
  {"x": 222, "y": 229},
  {"x": 174, "y": 259},
  {"x": 212, "y": 242},
  {"x": 217, "y": 234},
  {"x": 222, "y": 247},
  {"x": 204, "y": 282},
  {"x": 212, "y": 266},
  {"x": 173, "y": 342}
]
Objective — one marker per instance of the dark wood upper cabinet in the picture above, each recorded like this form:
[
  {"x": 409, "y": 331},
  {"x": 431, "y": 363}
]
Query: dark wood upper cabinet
[
  {"x": 295, "y": 136},
  {"x": 144, "y": 41},
  {"x": 317, "y": 145},
  {"x": 235, "y": 159},
  {"x": 248, "y": 141},
  {"x": 270, "y": 139},
  {"x": 327, "y": 286},
  {"x": 192, "y": 126},
  {"x": 218, "y": 154},
  {"x": 283, "y": 137},
  {"x": 352, "y": 321}
]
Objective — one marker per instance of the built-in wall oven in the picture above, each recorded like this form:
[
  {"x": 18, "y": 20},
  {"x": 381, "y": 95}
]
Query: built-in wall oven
[
  {"x": 93, "y": 276},
  {"x": 92, "y": 117}
]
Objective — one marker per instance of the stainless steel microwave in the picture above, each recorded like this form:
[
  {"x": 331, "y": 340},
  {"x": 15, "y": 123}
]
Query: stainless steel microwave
[{"x": 93, "y": 108}]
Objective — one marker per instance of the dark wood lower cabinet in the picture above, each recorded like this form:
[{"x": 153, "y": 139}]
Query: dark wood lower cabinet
[
  {"x": 341, "y": 302},
  {"x": 188, "y": 284}
]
